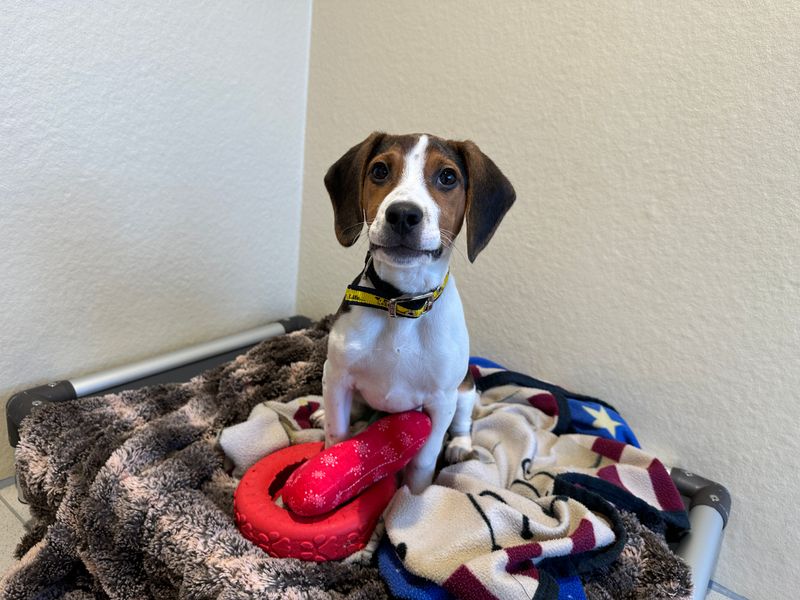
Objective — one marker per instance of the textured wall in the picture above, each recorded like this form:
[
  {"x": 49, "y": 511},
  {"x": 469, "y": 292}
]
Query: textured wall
[
  {"x": 653, "y": 256},
  {"x": 150, "y": 175}
]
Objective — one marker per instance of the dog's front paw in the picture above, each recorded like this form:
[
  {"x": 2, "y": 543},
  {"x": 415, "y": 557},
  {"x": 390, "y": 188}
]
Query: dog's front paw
[
  {"x": 459, "y": 448},
  {"x": 317, "y": 418}
]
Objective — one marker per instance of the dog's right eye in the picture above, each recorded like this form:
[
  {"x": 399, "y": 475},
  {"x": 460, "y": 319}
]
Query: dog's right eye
[{"x": 379, "y": 171}]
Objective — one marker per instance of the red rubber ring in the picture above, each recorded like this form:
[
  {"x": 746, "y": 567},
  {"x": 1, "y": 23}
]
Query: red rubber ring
[{"x": 282, "y": 534}]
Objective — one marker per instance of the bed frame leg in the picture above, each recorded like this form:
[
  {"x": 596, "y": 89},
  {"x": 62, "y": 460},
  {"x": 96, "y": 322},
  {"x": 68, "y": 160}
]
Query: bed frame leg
[{"x": 709, "y": 508}]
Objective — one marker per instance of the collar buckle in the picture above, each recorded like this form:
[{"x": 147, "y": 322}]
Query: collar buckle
[{"x": 391, "y": 304}]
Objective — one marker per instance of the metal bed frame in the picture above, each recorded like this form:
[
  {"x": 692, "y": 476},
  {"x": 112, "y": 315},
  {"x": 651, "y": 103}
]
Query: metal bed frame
[{"x": 707, "y": 502}]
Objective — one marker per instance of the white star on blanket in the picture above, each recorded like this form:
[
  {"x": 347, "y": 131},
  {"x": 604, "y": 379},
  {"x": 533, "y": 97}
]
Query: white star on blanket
[{"x": 603, "y": 420}]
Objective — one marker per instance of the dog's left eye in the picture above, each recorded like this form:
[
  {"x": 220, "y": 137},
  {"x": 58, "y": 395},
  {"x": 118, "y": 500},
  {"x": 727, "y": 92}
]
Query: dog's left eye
[
  {"x": 379, "y": 171},
  {"x": 447, "y": 177}
]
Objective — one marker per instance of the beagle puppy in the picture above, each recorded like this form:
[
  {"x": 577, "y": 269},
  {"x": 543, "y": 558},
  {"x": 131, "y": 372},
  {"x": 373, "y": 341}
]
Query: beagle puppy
[{"x": 399, "y": 341}]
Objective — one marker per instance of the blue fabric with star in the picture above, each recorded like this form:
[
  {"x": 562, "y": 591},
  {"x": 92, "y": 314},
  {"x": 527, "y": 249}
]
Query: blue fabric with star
[
  {"x": 600, "y": 419},
  {"x": 577, "y": 413}
]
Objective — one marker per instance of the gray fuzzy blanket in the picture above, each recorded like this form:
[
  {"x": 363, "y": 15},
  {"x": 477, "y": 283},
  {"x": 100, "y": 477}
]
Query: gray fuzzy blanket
[{"x": 130, "y": 497}]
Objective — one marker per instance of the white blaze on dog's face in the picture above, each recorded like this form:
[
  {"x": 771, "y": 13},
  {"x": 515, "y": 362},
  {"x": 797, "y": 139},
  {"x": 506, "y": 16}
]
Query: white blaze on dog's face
[{"x": 414, "y": 193}]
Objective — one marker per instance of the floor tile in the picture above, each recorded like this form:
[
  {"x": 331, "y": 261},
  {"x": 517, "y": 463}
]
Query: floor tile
[
  {"x": 12, "y": 530},
  {"x": 718, "y": 591},
  {"x": 8, "y": 495}
]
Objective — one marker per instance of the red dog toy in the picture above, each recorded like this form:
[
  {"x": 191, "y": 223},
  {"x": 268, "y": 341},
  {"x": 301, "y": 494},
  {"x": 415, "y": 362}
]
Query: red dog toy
[{"x": 321, "y": 524}]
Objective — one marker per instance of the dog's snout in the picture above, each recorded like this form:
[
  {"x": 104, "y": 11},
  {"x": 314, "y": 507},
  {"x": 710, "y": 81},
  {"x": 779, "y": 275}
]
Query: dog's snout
[{"x": 403, "y": 217}]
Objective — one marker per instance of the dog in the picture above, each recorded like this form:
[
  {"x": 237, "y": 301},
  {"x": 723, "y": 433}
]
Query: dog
[{"x": 399, "y": 340}]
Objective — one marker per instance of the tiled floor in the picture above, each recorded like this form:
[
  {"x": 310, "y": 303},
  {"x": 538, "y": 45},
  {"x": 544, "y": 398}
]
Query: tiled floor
[{"x": 12, "y": 517}]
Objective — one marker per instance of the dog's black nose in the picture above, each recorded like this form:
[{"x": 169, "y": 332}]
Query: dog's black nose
[{"x": 403, "y": 216}]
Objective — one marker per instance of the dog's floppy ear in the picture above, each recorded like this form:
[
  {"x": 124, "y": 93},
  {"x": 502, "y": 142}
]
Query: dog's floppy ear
[
  {"x": 344, "y": 184},
  {"x": 489, "y": 196}
]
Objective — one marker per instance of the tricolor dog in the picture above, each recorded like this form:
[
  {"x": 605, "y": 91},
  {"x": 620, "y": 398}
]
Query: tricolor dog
[{"x": 400, "y": 341}]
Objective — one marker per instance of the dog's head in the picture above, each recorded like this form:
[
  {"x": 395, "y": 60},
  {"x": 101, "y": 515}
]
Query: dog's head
[{"x": 414, "y": 193}]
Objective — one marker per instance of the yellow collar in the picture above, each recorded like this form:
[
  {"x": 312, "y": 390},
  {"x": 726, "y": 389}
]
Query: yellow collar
[{"x": 386, "y": 297}]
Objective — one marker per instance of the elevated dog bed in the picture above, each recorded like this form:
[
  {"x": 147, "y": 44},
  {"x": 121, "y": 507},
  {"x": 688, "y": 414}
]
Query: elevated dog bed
[{"x": 130, "y": 495}]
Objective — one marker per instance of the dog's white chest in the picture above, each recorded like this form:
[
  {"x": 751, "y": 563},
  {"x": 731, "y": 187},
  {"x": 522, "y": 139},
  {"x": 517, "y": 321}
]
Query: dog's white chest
[{"x": 401, "y": 364}]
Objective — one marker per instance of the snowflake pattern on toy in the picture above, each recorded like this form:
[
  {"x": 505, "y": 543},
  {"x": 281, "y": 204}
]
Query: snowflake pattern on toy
[
  {"x": 382, "y": 426},
  {"x": 319, "y": 474},
  {"x": 406, "y": 438},
  {"x": 329, "y": 460},
  {"x": 389, "y": 453},
  {"x": 361, "y": 448},
  {"x": 314, "y": 498},
  {"x": 357, "y": 470}
]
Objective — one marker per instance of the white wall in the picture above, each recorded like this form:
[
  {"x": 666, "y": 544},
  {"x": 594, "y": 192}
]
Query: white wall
[
  {"x": 150, "y": 175},
  {"x": 653, "y": 258}
]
